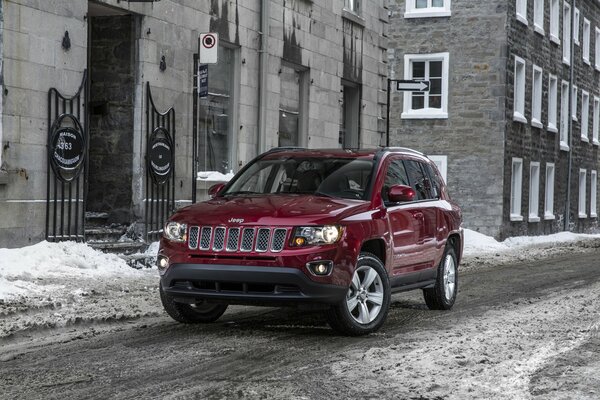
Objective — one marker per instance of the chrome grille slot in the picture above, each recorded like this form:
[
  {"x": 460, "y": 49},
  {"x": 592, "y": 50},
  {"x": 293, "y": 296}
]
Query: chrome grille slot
[
  {"x": 262, "y": 240},
  {"x": 278, "y": 240},
  {"x": 193, "y": 242},
  {"x": 205, "y": 238},
  {"x": 247, "y": 239},
  {"x": 219, "y": 239},
  {"x": 233, "y": 239}
]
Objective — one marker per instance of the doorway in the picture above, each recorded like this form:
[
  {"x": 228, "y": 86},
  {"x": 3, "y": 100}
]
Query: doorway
[{"x": 111, "y": 61}]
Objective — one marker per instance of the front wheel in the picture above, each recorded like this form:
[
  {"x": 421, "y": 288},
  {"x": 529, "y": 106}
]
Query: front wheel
[
  {"x": 367, "y": 302},
  {"x": 443, "y": 294},
  {"x": 201, "y": 312}
]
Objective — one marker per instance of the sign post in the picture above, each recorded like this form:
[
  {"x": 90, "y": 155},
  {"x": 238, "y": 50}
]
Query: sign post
[{"x": 402, "y": 86}]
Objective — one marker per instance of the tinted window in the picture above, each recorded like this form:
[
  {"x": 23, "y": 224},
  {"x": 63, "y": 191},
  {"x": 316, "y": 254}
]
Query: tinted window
[
  {"x": 395, "y": 175},
  {"x": 418, "y": 180},
  {"x": 436, "y": 185}
]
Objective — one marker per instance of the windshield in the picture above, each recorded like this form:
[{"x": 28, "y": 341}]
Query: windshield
[{"x": 335, "y": 177}]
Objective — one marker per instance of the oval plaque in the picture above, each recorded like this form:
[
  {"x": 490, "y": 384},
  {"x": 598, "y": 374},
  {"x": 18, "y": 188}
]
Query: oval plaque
[
  {"x": 160, "y": 157},
  {"x": 67, "y": 152}
]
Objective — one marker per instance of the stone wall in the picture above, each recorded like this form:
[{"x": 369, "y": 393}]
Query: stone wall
[{"x": 472, "y": 137}]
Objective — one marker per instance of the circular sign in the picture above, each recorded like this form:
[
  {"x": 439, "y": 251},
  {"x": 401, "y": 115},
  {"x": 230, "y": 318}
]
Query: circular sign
[
  {"x": 208, "y": 41},
  {"x": 67, "y": 152},
  {"x": 160, "y": 156}
]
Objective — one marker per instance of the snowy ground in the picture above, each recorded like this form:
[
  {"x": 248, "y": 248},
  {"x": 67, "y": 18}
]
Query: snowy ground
[{"x": 59, "y": 284}]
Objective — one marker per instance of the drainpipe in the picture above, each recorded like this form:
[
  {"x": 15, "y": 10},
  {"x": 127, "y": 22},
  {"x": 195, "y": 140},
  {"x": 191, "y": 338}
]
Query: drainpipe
[
  {"x": 261, "y": 145},
  {"x": 570, "y": 136}
]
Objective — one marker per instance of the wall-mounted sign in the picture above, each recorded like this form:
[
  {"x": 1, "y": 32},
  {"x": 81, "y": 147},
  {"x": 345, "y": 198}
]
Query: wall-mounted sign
[
  {"x": 202, "y": 80},
  {"x": 160, "y": 155},
  {"x": 208, "y": 48},
  {"x": 67, "y": 149}
]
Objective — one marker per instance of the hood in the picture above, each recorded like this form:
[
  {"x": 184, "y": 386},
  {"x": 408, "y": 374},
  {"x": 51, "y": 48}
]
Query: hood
[{"x": 271, "y": 210}]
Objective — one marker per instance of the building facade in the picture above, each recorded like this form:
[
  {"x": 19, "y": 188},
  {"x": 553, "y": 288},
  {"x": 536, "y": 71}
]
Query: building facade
[
  {"x": 505, "y": 75},
  {"x": 101, "y": 113}
]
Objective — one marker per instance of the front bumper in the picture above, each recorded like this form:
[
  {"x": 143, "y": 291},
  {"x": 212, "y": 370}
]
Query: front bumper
[{"x": 247, "y": 285}]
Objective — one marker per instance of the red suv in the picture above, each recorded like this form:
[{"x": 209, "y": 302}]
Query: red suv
[{"x": 337, "y": 229}]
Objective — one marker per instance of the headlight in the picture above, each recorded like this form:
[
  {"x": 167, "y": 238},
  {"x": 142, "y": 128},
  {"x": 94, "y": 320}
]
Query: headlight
[
  {"x": 309, "y": 235},
  {"x": 175, "y": 231}
]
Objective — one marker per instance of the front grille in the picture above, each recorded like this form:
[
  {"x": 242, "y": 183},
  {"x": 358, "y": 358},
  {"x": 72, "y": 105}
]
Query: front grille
[{"x": 220, "y": 238}]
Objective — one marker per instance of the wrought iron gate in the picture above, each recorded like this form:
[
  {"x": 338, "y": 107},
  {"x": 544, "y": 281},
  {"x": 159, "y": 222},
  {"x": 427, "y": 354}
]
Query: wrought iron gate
[
  {"x": 67, "y": 144},
  {"x": 160, "y": 167}
]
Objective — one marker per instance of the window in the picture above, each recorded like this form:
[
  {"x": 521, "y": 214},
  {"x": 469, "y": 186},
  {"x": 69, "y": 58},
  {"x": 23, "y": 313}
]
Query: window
[
  {"x": 574, "y": 103},
  {"x": 293, "y": 81},
  {"x": 536, "y": 98},
  {"x": 442, "y": 164},
  {"x": 567, "y": 33},
  {"x": 534, "y": 192},
  {"x": 554, "y": 21},
  {"x": 349, "y": 113},
  {"x": 549, "y": 192},
  {"x": 552, "y": 106},
  {"x": 564, "y": 116},
  {"x": 352, "y": 5},
  {"x": 597, "y": 54},
  {"x": 585, "y": 111},
  {"x": 395, "y": 175},
  {"x": 432, "y": 68},
  {"x": 582, "y": 193},
  {"x": 427, "y": 8},
  {"x": 515, "y": 191},
  {"x": 586, "y": 41},
  {"x": 519, "y": 95},
  {"x": 596, "y": 122},
  {"x": 593, "y": 193},
  {"x": 538, "y": 16},
  {"x": 576, "y": 27},
  {"x": 522, "y": 11},
  {"x": 217, "y": 145},
  {"x": 418, "y": 181}
]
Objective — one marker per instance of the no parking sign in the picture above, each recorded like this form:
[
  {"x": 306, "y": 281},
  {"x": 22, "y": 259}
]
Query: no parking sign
[{"x": 208, "y": 46}]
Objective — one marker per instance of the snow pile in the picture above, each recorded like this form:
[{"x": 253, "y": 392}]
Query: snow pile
[{"x": 214, "y": 176}]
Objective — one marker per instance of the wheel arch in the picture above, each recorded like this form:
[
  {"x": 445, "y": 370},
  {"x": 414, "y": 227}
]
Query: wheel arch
[
  {"x": 375, "y": 247},
  {"x": 455, "y": 240}
]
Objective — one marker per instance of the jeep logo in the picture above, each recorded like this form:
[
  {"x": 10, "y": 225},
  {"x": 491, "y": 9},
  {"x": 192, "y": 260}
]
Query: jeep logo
[{"x": 236, "y": 220}]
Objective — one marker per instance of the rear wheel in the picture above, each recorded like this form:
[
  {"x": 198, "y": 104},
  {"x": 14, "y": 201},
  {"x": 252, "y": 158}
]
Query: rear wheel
[
  {"x": 367, "y": 302},
  {"x": 201, "y": 312},
  {"x": 443, "y": 294}
]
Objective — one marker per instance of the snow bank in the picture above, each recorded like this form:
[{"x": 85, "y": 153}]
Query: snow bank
[{"x": 214, "y": 176}]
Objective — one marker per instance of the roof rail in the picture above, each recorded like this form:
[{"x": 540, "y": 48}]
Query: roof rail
[
  {"x": 284, "y": 148},
  {"x": 404, "y": 149}
]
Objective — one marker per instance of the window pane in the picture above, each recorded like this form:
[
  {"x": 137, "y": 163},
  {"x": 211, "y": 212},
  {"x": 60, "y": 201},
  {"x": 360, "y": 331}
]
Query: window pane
[
  {"x": 435, "y": 86},
  {"x": 421, "y": 3},
  {"x": 418, "y": 101},
  {"x": 435, "y": 101},
  {"x": 435, "y": 69},
  {"x": 437, "y": 3},
  {"x": 289, "y": 106},
  {"x": 418, "y": 69}
]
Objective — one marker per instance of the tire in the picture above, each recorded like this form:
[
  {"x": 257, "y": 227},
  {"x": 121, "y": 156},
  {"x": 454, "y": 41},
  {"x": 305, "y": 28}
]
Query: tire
[
  {"x": 202, "y": 312},
  {"x": 443, "y": 295},
  {"x": 365, "y": 307}
]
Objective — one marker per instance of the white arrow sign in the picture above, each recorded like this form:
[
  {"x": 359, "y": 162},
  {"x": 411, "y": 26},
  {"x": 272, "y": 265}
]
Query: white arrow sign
[{"x": 413, "y": 86}]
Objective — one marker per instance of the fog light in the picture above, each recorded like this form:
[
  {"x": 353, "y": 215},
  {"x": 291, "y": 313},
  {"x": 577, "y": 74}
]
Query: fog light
[
  {"x": 162, "y": 263},
  {"x": 320, "y": 268}
]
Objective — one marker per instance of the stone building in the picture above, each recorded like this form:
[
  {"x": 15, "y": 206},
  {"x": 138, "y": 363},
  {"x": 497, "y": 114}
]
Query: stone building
[
  {"x": 504, "y": 77},
  {"x": 100, "y": 113}
]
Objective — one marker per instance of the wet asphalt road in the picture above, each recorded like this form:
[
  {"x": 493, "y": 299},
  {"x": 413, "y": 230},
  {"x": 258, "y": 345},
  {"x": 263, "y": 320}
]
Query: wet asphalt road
[{"x": 269, "y": 353}]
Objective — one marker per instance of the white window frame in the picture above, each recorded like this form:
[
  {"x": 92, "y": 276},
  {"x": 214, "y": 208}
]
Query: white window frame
[
  {"x": 593, "y": 194},
  {"x": 519, "y": 90},
  {"x": 582, "y": 193},
  {"x": 549, "y": 192},
  {"x": 536, "y": 97},
  {"x": 442, "y": 163},
  {"x": 574, "y": 103},
  {"x": 564, "y": 116},
  {"x": 597, "y": 48},
  {"x": 566, "y": 33},
  {"x": 413, "y": 12},
  {"x": 576, "y": 30},
  {"x": 585, "y": 114},
  {"x": 426, "y": 113},
  {"x": 538, "y": 16},
  {"x": 596, "y": 123},
  {"x": 352, "y": 6},
  {"x": 534, "y": 192},
  {"x": 552, "y": 103},
  {"x": 586, "y": 41},
  {"x": 521, "y": 8},
  {"x": 555, "y": 21},
  {"x": 516, "y": 189}
]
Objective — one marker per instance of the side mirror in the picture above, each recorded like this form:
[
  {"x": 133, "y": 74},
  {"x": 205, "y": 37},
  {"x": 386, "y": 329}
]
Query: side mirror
[
  {"x": 400, "y": 193},
  {"x": 215, "y": 189}
]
